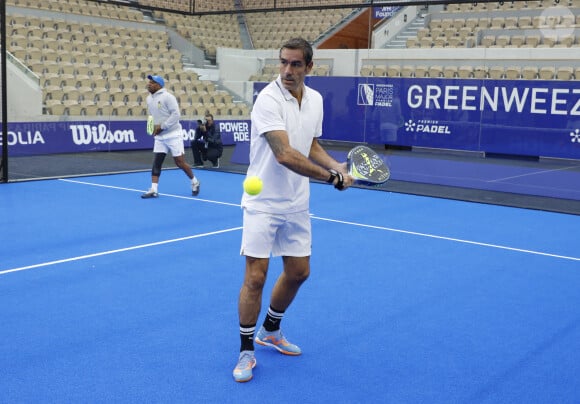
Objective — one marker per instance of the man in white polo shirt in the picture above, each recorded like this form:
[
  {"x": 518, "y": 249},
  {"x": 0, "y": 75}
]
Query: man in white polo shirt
[
  {"x": 163, "y": 107},
  {"x": 285, "y": 154}
]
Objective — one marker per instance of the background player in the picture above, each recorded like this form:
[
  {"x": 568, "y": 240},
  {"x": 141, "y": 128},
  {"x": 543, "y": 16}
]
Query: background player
[{"x": 164, "y": 108}]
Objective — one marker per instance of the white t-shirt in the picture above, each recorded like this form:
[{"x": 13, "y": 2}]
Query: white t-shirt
[
  {"x": 284, "y": 191},
  {"x": 165, "y": 110}
]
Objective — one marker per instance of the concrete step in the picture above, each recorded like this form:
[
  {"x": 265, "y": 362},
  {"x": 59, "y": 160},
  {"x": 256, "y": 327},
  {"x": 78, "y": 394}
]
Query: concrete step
[{"x": 400, "y": 41}]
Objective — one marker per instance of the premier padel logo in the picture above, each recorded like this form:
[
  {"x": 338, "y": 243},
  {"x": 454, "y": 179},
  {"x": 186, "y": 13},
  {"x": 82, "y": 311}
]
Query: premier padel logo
[
  {"x": 575, "y": 136},
  {"x": 427, "y": 126},
  {"x": 366, "y": 94}
]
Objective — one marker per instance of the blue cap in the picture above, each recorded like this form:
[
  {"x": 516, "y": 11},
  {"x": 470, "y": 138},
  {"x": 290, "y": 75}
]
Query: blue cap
[{"x": 158, "y": 79}]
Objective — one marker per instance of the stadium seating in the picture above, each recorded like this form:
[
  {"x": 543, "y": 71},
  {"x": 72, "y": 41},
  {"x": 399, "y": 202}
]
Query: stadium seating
[
  {"x": 393, "y": 71},
  {"x": 530, "y": 72},
  {"x": 532, "y": 24},
  {"x": 90, "y": 63},
  {"x": 565, "y": 73},
  {"x": 546, "y": 73},
  {"x": 77, "y": 63},
  {"x": 450, "y": 71},
  {"x": 270, "y": 71},
  {"x": 515, "y": 24},
  {"x": 465, "y": 71}
]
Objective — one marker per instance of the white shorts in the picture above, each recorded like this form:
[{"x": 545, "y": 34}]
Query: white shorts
[
  {"x": 167, "y": 143},
  {"x": 280, "y": 235}
]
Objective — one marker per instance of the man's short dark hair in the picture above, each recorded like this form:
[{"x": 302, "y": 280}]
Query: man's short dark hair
[{"x": 300, "y": 43}]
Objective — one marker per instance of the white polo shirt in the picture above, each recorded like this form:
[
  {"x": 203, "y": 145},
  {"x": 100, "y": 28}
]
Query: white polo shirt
[
  {"x": 275, "y": 108},
  {"x": 165, "y": 110}
]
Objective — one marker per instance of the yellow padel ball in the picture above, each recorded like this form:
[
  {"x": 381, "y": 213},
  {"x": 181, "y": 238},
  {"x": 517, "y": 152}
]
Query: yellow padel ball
[{"x": 253, "y": 185}]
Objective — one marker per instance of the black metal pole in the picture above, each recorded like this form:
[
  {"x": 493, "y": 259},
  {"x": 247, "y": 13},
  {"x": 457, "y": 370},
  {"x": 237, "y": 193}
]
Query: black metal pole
[{"x": 4, "y": 85}]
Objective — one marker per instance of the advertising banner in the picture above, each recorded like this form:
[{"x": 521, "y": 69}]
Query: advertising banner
[
  {"x": 516, "y": 117},
  {"x": 512, "y": 117},
  {"x": 37, "y": 138}
]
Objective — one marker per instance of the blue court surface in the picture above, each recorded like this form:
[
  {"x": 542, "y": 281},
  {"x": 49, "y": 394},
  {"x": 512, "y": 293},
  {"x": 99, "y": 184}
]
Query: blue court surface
[{"x": 110, "y": 298}]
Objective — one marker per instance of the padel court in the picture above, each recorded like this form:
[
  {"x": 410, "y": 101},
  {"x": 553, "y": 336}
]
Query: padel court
[{"x": 106, "y": 297}]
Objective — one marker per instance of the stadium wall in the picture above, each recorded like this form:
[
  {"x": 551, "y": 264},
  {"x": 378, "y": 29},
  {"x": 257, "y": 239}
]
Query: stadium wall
[{"x": 24, "y": 93}]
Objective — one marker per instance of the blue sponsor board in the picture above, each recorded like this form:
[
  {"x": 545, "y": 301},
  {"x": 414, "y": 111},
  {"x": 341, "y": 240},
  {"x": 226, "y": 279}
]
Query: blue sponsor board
[
  {"x": 512, "y": 117},
  {"x": 37, "y": 138},
  {"x": 518, "y": 117}
]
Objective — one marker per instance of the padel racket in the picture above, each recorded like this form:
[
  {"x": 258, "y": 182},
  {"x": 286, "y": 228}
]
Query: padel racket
[
  {"x": 366, "y": 166},
  {"x": 150, "y": 125}
]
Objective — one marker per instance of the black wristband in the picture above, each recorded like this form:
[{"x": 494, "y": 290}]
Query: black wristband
[
  {"x": 340, "y": 183},
  {"x": 333, "y": 176}
]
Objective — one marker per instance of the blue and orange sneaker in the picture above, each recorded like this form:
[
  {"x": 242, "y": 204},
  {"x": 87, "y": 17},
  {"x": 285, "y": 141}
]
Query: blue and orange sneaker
[
  {"x": 243, "y": 370},
  {"x": 277, "y": 340}
]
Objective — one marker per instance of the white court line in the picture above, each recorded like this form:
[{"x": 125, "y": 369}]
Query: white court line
[
  {"x": 140, "y": 190},
  {"x": 533, "y": 173},
  {"x": 501, "y": 247},
  {"x": 458, "y": 240},
  {"x": 136, "y": 247}
]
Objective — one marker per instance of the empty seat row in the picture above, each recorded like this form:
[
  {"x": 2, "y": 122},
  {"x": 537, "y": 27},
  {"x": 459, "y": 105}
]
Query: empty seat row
[
  {"x": 508, "y": 40},
  {"x": 545, "y": 41},
  {"x": 317, "y": 70},
  {"x": 96, "y": 9},
  {"x": 555, "y": 20},
  {"x": 126, "y": 110},
  {"x": 469, "y": 71},
  {"x": 509, "y": 5}
]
